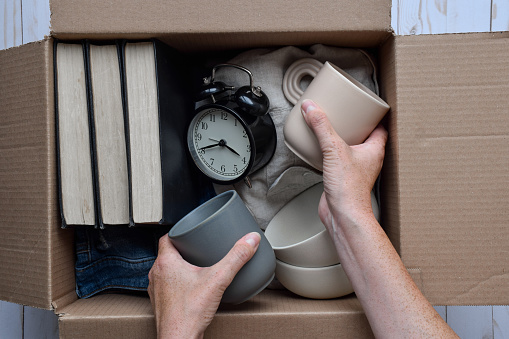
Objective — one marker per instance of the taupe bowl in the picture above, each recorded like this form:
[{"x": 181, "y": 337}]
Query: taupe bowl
[
  {"x": 314, "y": 282},
  {"x": 297, "y": 234}
]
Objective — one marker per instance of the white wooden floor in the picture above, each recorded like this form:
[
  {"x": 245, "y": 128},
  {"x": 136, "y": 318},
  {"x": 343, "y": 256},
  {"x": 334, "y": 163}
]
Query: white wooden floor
[{"x": 23, "y": 21}]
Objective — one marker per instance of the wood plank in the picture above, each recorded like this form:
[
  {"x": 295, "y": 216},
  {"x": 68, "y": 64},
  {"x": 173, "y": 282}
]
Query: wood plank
[
  {"x": 11, "y": 320},
  {"x": 434, "y": 14},
  {"x": 36, "y": 20},
  {"x": 408, "y": 17},
  {"x": 419, "y": 16},
  {"x": 471, "y": 321},
  {"x": 501, "y": 322},
  {"x": 446, "y": 16},
  {"x": 468, "y": 16},
  {"x": 40, "y": 323},
  {"x": 394, "y": 16},
  {"x": 500, "y": 15},
  {"x": 10, "y": 21}
]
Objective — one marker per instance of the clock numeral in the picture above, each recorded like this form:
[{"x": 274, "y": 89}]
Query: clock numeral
[
  {"x": 244, "y": 134},
  {"x": 236, "y": 123},
  {"x": 213, "y": 118},
  {"x": 197, "y": 136},
  {"x": 201, "y": 151},
  {"x": 204, "y": 125},
  {"x": 224, "y": 116},
  {"x": 244, "y": 160},
  {"x": 223, "y": 168},
  {"x": 211, "y": 161},
  {"x": 248, "y": 150},
  {"x": 235, "y": 168}
]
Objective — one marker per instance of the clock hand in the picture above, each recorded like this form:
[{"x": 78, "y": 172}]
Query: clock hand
[
  {"x": 222, "y": 143},
  {"x": 231, "y": 149},
  {"x": 209, "y": 146}
]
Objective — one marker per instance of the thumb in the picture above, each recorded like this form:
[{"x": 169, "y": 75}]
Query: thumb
[
  {"x": 238, "y": 256},
  {"x": 330, "y": 142}
]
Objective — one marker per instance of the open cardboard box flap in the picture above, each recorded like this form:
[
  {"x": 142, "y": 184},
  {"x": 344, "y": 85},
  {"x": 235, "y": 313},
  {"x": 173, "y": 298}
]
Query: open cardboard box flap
[
  {"x": 271, "y": 314},
  {"x": 446, "y": 183},
  {"x": 159, "y": 18},
  {"x": 445, "y": 198}
]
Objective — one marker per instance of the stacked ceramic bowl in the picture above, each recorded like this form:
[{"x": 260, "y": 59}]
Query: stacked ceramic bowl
[{"x": 307, "y": 262}]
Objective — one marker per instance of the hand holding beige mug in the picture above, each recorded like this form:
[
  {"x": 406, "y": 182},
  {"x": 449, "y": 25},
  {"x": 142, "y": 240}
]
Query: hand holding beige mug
[{"x": 353, "y": 109}]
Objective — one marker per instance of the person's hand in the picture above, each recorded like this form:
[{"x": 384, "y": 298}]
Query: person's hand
[
  {"x": 185, "y": 297},
  {"x": 393, "y": 304},
  {"x": 349, "y": 172}
]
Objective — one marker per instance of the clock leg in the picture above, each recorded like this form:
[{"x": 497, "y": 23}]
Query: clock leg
[{"x": 247, "y": 181}]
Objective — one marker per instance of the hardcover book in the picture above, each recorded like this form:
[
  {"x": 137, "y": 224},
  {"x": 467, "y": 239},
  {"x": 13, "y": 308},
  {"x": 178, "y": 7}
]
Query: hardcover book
[
  {"x": 159, "y": 99},
  {"x": 122, "y": 111},
  {"x": 108, "y": 132},
  {"x": 73, "y": 133}
]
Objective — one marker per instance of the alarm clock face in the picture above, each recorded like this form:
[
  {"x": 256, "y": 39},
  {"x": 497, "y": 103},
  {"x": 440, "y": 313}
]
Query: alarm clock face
[{"x": 220, "y": 144}]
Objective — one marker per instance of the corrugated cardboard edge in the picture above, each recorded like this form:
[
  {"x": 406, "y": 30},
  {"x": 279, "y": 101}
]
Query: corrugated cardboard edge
[
  {"x": 63, "y": 301},
  {"x": 61, "y": 269},
  {"x": 390, "y": 195},
  {"x": 226, "y": 24},
  {"x": 155, "y": 18},
  {"x": 281, "y": 314},
  {"x": 107, "y": 316},
  {"x": 453, "y": 169},
  {"x": 215, "y": 41},
  {"x": 35, "y": 267},
  {"x": 271, "y": 314}
]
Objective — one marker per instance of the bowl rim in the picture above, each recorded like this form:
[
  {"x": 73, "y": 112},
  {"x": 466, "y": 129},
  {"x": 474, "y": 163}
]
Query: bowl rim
[
  {"x": 318, "y": 186},
  {"x": 309, "y": 269},
  {"x": 298, "y": 243}
]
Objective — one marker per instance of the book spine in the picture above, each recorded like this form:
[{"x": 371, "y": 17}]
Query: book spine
[
  {"x": 121, "y": 43},
  {"x": 90, "y": 132},
  {"x": 93, "y": 141},
  {"x": 174, "y": 188},
  {"x": 65, "y": 222},
  {"x": 57, "y": 138},
  {"x": 108, "y": 119}
]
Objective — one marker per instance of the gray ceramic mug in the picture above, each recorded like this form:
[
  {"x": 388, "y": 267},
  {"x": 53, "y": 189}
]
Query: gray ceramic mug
[{"x": 206, "y": 234}]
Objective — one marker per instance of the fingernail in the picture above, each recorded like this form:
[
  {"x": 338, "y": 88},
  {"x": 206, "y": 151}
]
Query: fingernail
[
  {"x": 307, "y": 106},
  {"x": 253, "y": 238}
]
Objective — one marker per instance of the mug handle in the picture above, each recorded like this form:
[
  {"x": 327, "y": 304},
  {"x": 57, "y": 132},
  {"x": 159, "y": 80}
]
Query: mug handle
[{"x": 294, "y": 74}]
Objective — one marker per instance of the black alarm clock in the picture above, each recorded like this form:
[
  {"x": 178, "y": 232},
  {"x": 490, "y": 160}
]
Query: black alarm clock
[{"x": 231, "y": 135}]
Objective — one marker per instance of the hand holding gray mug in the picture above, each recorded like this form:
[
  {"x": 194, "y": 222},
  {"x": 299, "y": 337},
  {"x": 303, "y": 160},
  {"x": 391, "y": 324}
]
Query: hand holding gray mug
[{"x": 206, "y": 235}]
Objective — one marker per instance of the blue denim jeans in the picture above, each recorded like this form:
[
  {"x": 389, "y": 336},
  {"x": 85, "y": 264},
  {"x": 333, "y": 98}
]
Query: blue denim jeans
[
  {"x": 118, "y": 258},
  {"x": 115, "y": 258}
]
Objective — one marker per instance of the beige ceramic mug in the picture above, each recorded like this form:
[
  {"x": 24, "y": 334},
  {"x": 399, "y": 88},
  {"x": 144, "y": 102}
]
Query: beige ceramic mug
[{"x": 353, "y": 109}]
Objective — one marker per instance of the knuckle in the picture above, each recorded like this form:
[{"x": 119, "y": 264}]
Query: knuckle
[
  {"x": 153, "y": 271},
  {"x": 318, "y": 119},
  {"x": 162, "y": 241},
  {"x": 328, "y": 139},
  {"x": 381, "y": 151},
  {"x": 331, "y": 149},
  {"x": 243, "y": 252},
  {"x": 150, "y": 277},
  {"x": 160, "y": 265}
]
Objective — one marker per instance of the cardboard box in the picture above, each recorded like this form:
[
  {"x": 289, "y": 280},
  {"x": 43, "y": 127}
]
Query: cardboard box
[{"x": 445, "y": 199}]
